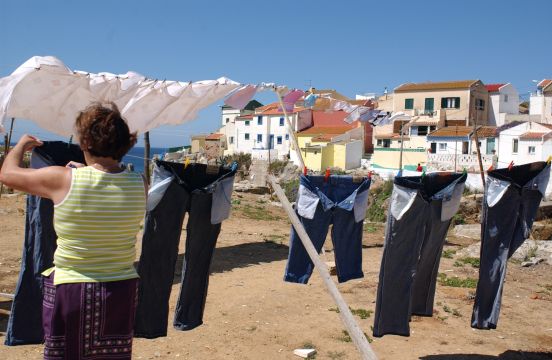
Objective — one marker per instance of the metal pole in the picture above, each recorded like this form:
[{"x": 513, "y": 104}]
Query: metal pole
[
  {"x": 147, "y": 156},
  {"x": 402, "y": 144},
  {"x": 345, "y": 314},
  {"x": 291, "y": 132}
]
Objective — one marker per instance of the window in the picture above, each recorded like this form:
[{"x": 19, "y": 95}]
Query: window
[
  {"x": 514, "y": 146},
  {"x": 246, "y": 122},
  {"x": 279, "y": 140},
  {"x": 259, "y": 137},
  {"x": 442, "y": 146},
  {"x": 505, "y": 97},
  {"x": 246, "y": 136},
  {"x": 227, "y": 120},
  {"x": 409, "y": 104},
  {"x": 386, "y": 143},
  {"x": 432, "y": 128},
  {"x": 231, "y": 140},
  {"x": 419, "y": 130},
  {"x": 450, "y": 103},
  {"x": 281, "y": 121},
  {"x": 379, "y": 142},
  {"x": 287, "y": 136},
  {"x": 479, "y": 104},
  {"x": 259, "y": 120},
  {"x": 531, "y": 150}
]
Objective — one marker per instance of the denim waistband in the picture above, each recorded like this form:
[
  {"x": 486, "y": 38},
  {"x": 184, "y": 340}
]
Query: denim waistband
[
  {"x": 59, "y": 153},
  {"x": 198, "y": 177},
  {"x": 432, "y": 186},
  {"x": 336, "y": 188},
  {"x": 529, "y": 176}
]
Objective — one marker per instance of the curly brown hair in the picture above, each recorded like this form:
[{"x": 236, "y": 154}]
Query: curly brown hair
[{"x": 103, "y": 132}]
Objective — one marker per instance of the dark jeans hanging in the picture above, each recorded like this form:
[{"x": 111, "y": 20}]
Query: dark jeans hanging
[
  {"x": 511, "y": 201},
  {"x": 25, "y": 322},
  {"x": 340, "y": 201},
  {"x": 204, "y": 193},
  {"x": 419, "y": 216}
]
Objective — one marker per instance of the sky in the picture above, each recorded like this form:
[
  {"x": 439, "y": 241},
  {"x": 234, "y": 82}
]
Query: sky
[{"x": 351, "y": 46}]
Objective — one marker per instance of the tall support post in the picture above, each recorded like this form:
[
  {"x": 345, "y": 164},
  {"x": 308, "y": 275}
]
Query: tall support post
[
  {"x": 7, "y": 143},
  {"x": 345, "y": 314},
  {"x": 478, "y": 153},
  {"x": 147, "y": 156},
  {"x": 456, "y": 149},
  {"x": 291, "y": 131},
  {"x": 402, "y": 146}
]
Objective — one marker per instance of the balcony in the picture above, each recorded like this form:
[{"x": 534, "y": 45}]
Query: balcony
[{"x": 445, "y": 162}]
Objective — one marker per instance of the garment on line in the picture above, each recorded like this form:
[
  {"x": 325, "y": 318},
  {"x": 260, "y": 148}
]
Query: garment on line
[
  {"x": 512, "y": 198},
  {"x": 419, "y": 216},
  {"x": 203, "y": 192},
  {"x": 25, "y": 322},
  {"x": 340, "y": 201}
]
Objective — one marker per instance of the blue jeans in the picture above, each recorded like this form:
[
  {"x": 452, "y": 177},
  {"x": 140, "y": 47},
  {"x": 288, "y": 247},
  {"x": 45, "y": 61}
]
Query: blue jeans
[
  {"x": 419, "y": 216},
  {"x": 175, "y": 191},
  {"x": 25, "y": 323},
  {"x": 341, "y": 202},
  {"x": 511, "y": 201}
]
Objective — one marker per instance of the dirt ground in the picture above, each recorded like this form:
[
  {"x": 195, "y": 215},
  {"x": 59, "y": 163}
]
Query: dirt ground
[{"x": 251, "y": 313}]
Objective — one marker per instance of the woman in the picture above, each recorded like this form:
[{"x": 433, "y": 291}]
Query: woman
[{"x": 90, "y": 293}]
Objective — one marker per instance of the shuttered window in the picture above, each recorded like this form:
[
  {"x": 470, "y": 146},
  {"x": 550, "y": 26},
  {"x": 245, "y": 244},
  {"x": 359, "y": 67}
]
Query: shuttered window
[{"x": 409, "y": 104}]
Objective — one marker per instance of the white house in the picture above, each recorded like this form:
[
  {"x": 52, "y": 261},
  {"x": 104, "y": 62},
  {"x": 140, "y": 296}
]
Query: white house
[
  {"x": 541, "y": 102},
  {"x": 524, "y": 142},
  {"x": 266, "y": 129},
  {"x": 503, "y": 99},
  {"x": 228, "y": 121}
]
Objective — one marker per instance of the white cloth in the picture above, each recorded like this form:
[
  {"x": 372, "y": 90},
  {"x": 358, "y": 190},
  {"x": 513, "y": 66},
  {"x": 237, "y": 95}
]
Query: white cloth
[{"x": 47, "y": 92}]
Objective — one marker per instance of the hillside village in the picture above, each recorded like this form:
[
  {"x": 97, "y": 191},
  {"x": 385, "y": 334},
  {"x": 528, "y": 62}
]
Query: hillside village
[{"x": 440, "y": 122}]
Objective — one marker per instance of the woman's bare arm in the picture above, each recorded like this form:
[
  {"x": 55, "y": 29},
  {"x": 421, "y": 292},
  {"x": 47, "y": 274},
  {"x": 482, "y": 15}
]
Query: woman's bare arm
[{"x": 51, "y": 182}]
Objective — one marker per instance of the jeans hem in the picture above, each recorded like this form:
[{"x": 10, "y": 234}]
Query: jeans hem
[
  {"x": 405, "y": 334},
  {"x": 484, "y": 327},
  {"x": 345, "y": 278},
  {"x": 295, "y": 279},
  {"x": 8, "y": 342},
  {"x": 187, "y": 327},
  {"x": 149, "y": 336}
]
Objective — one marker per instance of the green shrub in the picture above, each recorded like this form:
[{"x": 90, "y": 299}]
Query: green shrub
[
  {"x": 376, "y": 212},
  {"x": 276, "y": 167}
]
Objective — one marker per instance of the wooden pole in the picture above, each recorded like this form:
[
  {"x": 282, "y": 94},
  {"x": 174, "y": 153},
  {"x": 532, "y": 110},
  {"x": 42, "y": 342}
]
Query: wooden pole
[
  {"x": 7, "y": 143},
  {"x": 456, "y": 148},
  {"x": 291, "y": 132},
  {"x": 10, "y": 134},
  {"x": 147, "y": 156},
  {"x": 345, "y": 314},
  {"x": 402, "y": 145},
  {"x": 479, "y": 154}
]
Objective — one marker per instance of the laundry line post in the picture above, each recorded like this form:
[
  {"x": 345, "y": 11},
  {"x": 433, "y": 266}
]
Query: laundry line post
[
  {"x": 147, "y": 157},
  {"x": 7, "y": 143},
  {"x": 290, "y": 131},
  {"x": 345, "y": 314}
]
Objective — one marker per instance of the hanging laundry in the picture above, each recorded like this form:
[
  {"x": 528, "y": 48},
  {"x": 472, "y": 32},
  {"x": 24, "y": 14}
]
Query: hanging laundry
[
  {"x": 419, "y": 216},
  {"x": 310, "y": 100},
  {"x": 291, "y": 98},
  {"x": 241, "y": 97},
  {"x": 512, "y": 198},
  {"x": 340, "y": 201},
  {"x": 25, "y": 322},
  {"x": 204, "y": 193}
]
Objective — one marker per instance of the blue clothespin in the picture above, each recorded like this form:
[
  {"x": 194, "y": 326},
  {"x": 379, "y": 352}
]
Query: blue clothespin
[{"x": 234, "y": 166}]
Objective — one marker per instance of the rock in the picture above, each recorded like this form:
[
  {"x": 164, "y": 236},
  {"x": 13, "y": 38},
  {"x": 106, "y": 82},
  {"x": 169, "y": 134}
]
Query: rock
[
  {"x": 540, "y": 250},
  {"x": 531, "y": 262},
  {"x": 304, "y": 353},
  {"x": 472, "y": 231}
]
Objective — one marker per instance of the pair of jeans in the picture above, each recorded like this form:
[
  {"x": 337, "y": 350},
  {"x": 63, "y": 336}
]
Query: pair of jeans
[
  {"x": 340, "y": 201},
  {"x": 512, "y": 198},
  {"x": 25, "y": 322},
  {"x": 204, "y": 193},
  {"x": 419, "y": 216}
]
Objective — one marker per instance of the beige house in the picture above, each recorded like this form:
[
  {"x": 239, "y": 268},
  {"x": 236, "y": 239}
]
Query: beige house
[{"x": 449, "y": 102}]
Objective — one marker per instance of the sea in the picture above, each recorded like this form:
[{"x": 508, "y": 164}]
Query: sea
[{"x": 136, "y": 156}]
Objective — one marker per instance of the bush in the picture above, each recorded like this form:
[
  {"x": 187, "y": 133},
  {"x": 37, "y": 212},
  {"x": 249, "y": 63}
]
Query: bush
[
  {"x": 376, "y": 211},
  {"x": 276, "y": 167},
  {"x": 243, "y": 160},
  {"x": 291, "y": 189}
]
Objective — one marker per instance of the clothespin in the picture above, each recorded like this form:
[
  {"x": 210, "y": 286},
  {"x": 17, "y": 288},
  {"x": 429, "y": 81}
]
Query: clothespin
[
  {"x": 369, "y": 175},
  {"x": 305, "y": 170},
  {"x": 327, "y": 175},
  {"x": 464, "y": 171},
  {"x": 186, "y": 162},
  {"x": 511, "y": 166},
  {"x": 490, "y": 168},
  {"x": 549, "y": 160},
  {"x": 423, "y": 176}
]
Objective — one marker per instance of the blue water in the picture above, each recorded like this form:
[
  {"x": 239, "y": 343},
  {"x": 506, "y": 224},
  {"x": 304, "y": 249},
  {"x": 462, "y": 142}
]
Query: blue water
[{"x": 136, "y": 157}]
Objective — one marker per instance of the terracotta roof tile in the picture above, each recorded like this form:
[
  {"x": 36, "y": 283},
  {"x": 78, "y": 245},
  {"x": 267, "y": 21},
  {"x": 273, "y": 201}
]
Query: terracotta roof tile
[
  {"x": 452, "y": 131},
  {"x": 324, "y": 130},
  {"x": 532, "y": 135},
  {"x": 544, "y": 83},
  {"x": 443, "y": 85},
  {"x": 494, "y": 87},
  {"x": 215, "y": 136},
  {"x": 486, "y": 131}
]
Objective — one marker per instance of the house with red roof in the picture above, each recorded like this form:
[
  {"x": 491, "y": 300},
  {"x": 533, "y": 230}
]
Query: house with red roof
[
  {"x": 541, "y": 101},
  {"x": 503, "y": 100},
  {"x": 523, "y": 143}
]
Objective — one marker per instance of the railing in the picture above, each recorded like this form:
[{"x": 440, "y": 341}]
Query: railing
[{"x": 445, "y": 162}]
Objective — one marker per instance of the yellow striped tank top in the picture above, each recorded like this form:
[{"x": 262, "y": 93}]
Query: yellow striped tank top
[{"x": 96, "y": 225}]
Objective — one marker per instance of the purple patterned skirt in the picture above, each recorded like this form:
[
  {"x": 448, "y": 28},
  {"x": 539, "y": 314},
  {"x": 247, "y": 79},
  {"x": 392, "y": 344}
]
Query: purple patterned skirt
[{"x": 88, "y": 320}]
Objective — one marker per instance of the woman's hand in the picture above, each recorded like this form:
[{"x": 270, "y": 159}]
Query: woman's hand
[
  {"x": 74, "y": 164},
  {"x": 29, "y": 142}
]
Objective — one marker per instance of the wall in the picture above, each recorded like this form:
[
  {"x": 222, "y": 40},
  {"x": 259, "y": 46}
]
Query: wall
[
  {"x": 419, "y": 102},
  {"x": 353, "y": 154},
  {"x": 389, "y": 158},
  {"x": 505, "y": 142},
  {"x": 540, "y": 104},
  {"x": 198, "y": 145}
]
